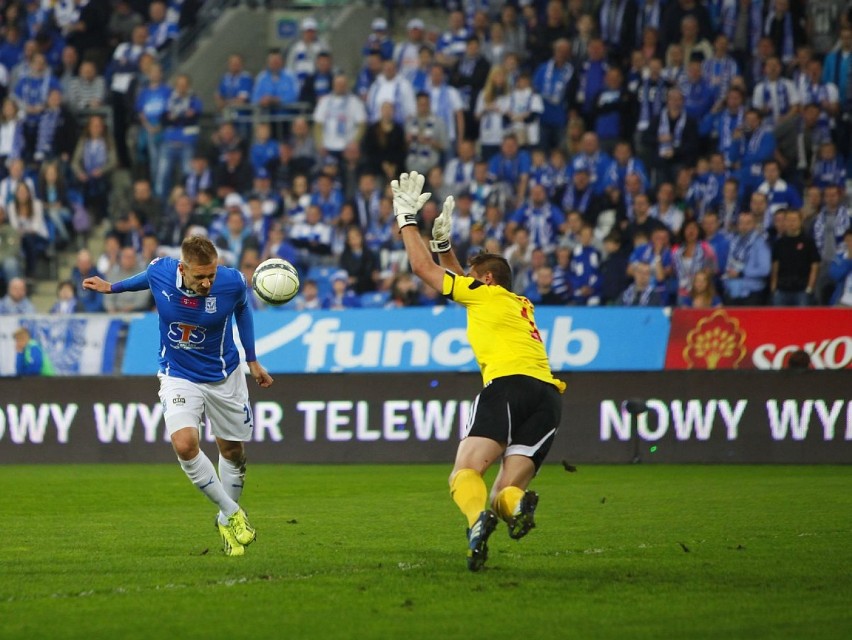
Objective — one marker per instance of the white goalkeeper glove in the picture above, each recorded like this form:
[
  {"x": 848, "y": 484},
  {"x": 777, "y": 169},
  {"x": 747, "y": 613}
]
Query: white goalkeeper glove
[
  {"x": 442, "y": 229},
  {"x": 407, "y": 198}
]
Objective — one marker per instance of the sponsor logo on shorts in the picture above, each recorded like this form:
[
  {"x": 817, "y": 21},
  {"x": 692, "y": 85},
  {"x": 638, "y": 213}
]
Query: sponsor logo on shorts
[
  {"x": 210, "y": 305},
  {"x": 178, "y": 400}
]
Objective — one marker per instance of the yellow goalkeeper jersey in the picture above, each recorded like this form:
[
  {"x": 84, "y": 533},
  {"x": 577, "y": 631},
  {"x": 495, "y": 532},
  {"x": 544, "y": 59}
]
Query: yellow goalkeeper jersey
[{"x": 501, "y": 329}]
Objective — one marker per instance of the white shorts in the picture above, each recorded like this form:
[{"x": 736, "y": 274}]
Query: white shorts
[{"x": 226, "y": 404}]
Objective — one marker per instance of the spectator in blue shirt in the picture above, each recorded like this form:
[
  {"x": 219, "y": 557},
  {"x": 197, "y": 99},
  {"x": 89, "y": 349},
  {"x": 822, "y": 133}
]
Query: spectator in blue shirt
[
  {"x": 235, "y": 86},
  {"x": 84, "y": 267},
  {"x": 749, "y": 264},
  {"x": 511, "y": 168},
  {"x": 31, "y": 359},
  {"x": 274, "y": 87},
  {"x": 151, "y": 105},
  {"x": 556, "y": 82},
  {"x": 160, "y": 30}
]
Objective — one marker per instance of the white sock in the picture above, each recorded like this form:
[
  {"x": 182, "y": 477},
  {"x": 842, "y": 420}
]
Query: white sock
[
  {"x": 233, "y": 476},
  {"x": 201, "y": 473}
]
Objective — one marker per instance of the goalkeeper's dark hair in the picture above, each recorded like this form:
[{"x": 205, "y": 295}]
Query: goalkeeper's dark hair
[
  {"x": 494, "y": 264},
  {"x": 198, "y": 250}
]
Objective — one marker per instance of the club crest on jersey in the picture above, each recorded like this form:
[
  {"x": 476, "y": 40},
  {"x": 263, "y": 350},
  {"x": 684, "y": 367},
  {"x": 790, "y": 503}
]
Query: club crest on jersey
[{"x": 210, "y": 305}]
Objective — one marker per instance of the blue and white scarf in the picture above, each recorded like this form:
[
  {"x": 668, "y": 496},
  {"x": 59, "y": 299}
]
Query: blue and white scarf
[
  {"x": 650, "y": 105},
  {"x": 728, "y": 123},
  {"x": 788, "y": 44},
  {"x": 841, "y": 224},
  {"x": 572, "y": 201},
  {"x": 612, "y": 17},
  {"x": 666, "y": 130},
  {"x": 755, "y": 24},
  {"x": 556, "y": 79},
  {"x": 46, "y": 131},
  {"x": 741, "y": 249}
]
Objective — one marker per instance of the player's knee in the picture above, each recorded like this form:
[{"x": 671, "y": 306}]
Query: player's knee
[
  {"x": 185, "y": 446},
  {"x": 233, "y": 451}
]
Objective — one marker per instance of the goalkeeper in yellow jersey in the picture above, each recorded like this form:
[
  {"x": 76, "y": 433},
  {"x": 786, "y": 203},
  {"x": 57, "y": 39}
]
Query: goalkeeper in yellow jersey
[{"x": 515, "y": 417}]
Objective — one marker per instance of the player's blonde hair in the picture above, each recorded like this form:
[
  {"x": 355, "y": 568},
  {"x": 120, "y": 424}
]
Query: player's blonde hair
[
  {"x": 198, "y": 250},
  {"x": 495, "y": 264}
]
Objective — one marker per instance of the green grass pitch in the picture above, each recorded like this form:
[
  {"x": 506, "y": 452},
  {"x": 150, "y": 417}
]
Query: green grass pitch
[{"x": 640, "y": 551}]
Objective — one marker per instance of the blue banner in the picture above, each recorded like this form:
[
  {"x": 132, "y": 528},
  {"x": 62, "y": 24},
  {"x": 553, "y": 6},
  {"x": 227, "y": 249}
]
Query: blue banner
[
  {"x": 428, "y": 339},
  {"x": 76, "y": 344}
]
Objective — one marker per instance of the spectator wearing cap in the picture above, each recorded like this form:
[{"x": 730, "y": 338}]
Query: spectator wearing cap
[
  {"x": 301, "y": 59},
  {"x": 340, "y": 297},
  {"x": 379, "y": 41},
  {"x": 319, "y": 83},
  {"x": 406, "y": 54},
  {"x": 340, "y": 119},
  {"x": 275, "y": 86}
]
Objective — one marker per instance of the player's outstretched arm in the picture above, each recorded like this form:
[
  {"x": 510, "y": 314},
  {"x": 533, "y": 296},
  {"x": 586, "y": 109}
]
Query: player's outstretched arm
[
  {"x": 138, "y": 282},
  {"x": 407, "y": 200},
  {"x": 442, "y": 231},
  {"x": 98, "y": 284}
]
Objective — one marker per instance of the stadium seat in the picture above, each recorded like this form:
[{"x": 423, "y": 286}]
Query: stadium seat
[{"x": 374, "y": 299}]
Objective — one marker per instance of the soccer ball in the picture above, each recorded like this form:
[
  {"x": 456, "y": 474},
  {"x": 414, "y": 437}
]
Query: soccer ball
[{"x": 275, "y": 281}]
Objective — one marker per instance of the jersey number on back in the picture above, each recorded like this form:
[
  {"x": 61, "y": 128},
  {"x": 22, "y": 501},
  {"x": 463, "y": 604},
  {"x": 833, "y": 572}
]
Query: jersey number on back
[{"x": 534, "y": 330}]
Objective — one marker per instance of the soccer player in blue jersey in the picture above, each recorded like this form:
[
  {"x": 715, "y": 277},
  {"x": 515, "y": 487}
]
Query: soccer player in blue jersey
[{"x": 200, "y": 372}]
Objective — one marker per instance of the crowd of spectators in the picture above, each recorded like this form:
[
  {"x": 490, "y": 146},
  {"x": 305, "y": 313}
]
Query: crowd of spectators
[{"x": 616, "y": 152}]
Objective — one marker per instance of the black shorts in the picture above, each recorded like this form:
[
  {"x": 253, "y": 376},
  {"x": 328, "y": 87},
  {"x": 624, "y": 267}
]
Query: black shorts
[{"x": 520, "y": 412}]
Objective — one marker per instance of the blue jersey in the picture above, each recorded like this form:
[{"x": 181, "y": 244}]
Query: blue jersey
[{"x": 196, "y": 335}]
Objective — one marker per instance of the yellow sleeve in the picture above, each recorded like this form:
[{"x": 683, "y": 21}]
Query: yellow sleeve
[{"x": 464, "y": 289}]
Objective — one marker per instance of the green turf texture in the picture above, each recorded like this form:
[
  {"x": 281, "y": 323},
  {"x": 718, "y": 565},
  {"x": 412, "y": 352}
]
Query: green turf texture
[{"x": 640, "y": 551}]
